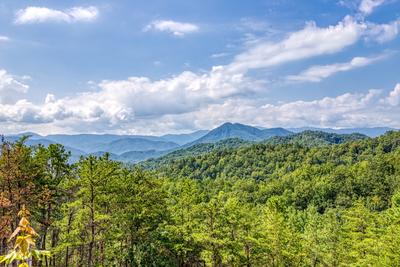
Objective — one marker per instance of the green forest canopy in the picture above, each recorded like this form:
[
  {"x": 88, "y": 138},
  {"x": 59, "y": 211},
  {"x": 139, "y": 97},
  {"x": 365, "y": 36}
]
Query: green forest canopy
[{"x": 278, "y": 203}]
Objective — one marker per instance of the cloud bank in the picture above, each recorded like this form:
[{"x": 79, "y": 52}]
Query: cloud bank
[
  {"x": 373, "y": 108},
  {"x": 192, "y": 100}
]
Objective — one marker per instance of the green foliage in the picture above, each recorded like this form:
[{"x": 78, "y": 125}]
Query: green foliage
[
  {"x": 197, "y": 149},
  {"x": 314, "y": 199},
  {"x": 316, "y": 138}
]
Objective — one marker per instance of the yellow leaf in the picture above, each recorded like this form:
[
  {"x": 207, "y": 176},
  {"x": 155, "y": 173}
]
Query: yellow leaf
[
  {"x": 23, "y": 222},
  {"x": 16, "y": 231},
  {"x": 24, "y": 212},
  {"x": 24, "y": 243},
  {"x": 30, "y": 230}
]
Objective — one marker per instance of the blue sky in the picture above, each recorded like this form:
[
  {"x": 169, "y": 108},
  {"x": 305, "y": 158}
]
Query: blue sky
[{"x": 153, "y": 67}]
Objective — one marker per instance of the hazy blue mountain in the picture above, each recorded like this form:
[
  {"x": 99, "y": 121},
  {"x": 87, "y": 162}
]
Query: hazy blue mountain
[
  {"x": 124, "y": 148},
  {"x": 271, "y": 132},
  {"x": 133, "y": 144},
  {"x": 371, "y": 132},
  {"x": 241, "y": 131},
  {"x": 36, "y": 140},
  {"x": 137, "y": 156},
  {"x": 182, "y": 139},
  {"x": 31, "y": 135},
  {"x": 136, "y": 148},
  {"x": 16, "y": 137},
  {"x": 87, "y": 142}
]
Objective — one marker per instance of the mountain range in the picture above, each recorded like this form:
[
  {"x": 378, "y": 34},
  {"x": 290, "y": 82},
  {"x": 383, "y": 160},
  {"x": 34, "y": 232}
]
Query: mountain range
[
  {"x": 241, "y": 131},
  {"x": 136, "y": 148},
  {"x": 371, "y": 132}
]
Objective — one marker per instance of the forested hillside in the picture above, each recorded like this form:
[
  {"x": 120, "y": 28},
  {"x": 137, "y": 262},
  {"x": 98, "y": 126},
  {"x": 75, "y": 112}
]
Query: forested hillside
[
  {"x": 315, "y": 138},
  {"x": 280, "y": 203},
  {"x": 194, "y": 150}
]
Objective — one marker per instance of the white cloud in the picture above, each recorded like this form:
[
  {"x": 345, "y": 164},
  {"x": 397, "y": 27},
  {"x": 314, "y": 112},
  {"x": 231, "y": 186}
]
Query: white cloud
[
  {"x": 35, "y": 14},
  {"x": 174, "y": 27},
  {"x": 11, "y": 87},
  {"x": 4, "y": 38},
  {"x": 195, "y": 100},
  {"x": 119, "y": 102},
  {"x": 366, "y": 7},
  {"x": 348, "y": 110},
  {"x": 383, "y": 32},
  {"x": 394, "y": 97},
  {"x": 308, "y": 42},
  {"x": 318, "y": 73},
  {"x": 101, "y": 111}
]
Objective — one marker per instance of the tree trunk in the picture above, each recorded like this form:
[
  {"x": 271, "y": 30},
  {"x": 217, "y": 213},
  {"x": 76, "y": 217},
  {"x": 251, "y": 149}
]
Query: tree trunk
[
  {"x": 70, "y": 217},
  {"x": 92, "y": 227}
]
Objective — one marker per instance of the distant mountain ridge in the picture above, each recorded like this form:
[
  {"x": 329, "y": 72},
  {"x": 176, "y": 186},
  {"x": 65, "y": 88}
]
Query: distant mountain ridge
[
  {"x": 136, "y": 148},
  {"x": 197, "y": 149},
  {"x": 371, "y": 132},
  {"x": 182, "y": 139},
  {"x": 306, "y": 138},
  {"x": 124, "y": 145},
  {"x": 316, "y": 138},
  {"x": 241, "y": 131}
]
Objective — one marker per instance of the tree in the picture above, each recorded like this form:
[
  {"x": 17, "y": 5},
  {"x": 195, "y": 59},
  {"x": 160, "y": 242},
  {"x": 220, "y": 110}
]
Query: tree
[
  {"x": 23, "y": 249},
  {"x": 139, "y": 203},
  {"x": 18, "y": 173},
  {"x": 51, "y": 194}
]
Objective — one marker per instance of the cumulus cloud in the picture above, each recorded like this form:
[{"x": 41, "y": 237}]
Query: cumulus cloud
[
  {"x": 347, "y": 110},
  {"x": 174, "y": 27},
  {"x": 366, "y": 7},
  {"x": 192, "y": 100},
  {"x": 320, "y": 72},
  {"x": 137, "y": 97},
  {"x": 11, "y": 87},
  {"x": 373, "y": 108},
  {"x": 394, "y": 97},
  {"x": 34, "y": 14}
]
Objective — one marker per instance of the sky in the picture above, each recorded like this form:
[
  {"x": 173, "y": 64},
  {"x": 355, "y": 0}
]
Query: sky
[{"x": 156, "y": 67}]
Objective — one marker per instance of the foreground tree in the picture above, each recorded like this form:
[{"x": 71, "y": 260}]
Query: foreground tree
[
  {"x": 18, "y": 175},
  {"x": 24, "y": 245}
]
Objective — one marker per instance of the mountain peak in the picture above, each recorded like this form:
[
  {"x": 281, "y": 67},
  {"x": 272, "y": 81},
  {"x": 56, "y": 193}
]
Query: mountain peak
[
  {"x": 241, "y": 131},
  {"x": 225, "y": 125}
]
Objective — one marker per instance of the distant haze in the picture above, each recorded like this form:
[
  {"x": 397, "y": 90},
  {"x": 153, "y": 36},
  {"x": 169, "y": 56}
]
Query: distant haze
[{"x": 135, "y": 148}]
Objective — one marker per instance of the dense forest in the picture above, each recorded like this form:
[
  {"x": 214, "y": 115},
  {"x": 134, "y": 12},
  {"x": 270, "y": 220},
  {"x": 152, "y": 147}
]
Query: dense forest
[{"x": 283, "y": 202}]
